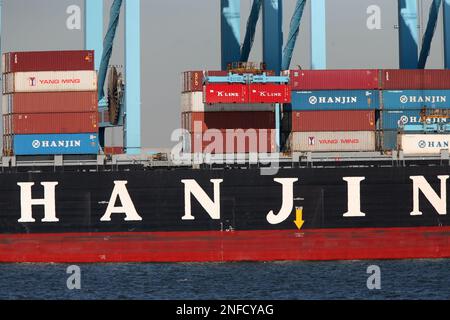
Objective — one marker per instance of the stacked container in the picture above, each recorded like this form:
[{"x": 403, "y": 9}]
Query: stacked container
[
  {"x": 405, "y": 93},
  {"x": 49, "y": 103},
  {"x": 332, "y": 110},
  {"x": 230, "y": 124}
]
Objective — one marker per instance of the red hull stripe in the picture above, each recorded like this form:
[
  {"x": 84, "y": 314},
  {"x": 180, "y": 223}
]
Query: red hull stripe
[{"x": 332, "y": 244}]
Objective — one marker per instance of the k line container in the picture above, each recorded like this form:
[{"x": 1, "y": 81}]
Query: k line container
[
  {"x": 53, "y": 144},
  {"x": 269, "y": 93},
  {"x": 232, "y": 141},
  {"x": 415, "y": 79},
  {"x": 226, "y": 93},
  {"x": 332, "y": 141},
  {"x": 334, "y": 100},
  {"x": 430, "y": 144},
  {"x": 203, "y": 121},
  {"x": 48, "y": 61},
  {"x": 193, "y": 102},
  {"x": 50, "y": 81},
  {"x": 415, "y": 99},
  {"x": 302, "y": 80},
  {"x": 52, "y": 123},
  {"x": 306, "y": 121},
  {"x": 50, "y": 102}
]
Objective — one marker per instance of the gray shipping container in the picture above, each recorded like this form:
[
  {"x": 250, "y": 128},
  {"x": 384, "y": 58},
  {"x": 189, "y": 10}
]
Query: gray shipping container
[{"x": 332, "y": 141}]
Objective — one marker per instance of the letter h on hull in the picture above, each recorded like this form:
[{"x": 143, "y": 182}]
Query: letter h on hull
[{"x": 27, "y": 202}]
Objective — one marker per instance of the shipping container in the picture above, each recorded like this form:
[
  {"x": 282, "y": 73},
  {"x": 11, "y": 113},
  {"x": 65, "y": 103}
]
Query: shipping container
[
  {"x": 332, "y": 141},
  {"x": 305, "y": 121},
  {"x": 52, "y": 123},
  {"x": 48, "y": 61},
  {"x": 226, "y": 93},
  {"x": 193, "y": 81},
  {"x": 302, "y": 80},
  {"x": 232, "y": 141},
  {"x": 389, "y": 139},
  {"x": 50, "y": 102},
  {"x": 50, "y": 81},
  {"x": 203, "y": 121},
  {"x": 53, "y": 144},
  {"x": 334, "y": 100},
  {"x": 429, "y": 144},
  {"x": 269, "y": 93},
  {"x": 415, "y": 79},
  {"x": 393, "y": 119},
  {"x": 415, "y": 99},
  {"x": 113, "y": 150},
  {"x": 193, "y": 102}
]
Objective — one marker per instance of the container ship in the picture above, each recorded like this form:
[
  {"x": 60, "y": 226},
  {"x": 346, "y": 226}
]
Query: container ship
[{"x": 358, "y": 169}]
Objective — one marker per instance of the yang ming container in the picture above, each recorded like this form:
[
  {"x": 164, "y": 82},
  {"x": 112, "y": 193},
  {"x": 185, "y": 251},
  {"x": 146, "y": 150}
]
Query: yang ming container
[
  {"x": 302, "y": 80},
  {"x": 334, "y": 100},
  {"x": 415, "y": 99},
  {"x": 34, "y": 123},
  {"x": 304, "y": 121},
  {"x": 50, "y": 81},
  {"x": 429, "y": 144},
  {"x": 54, "y": 144},
  {"x": 415, "y": 79},
  {"x": 193, "y": 102},
  {"x": 50, "y": 102},
  {"x": 48, "y": 61},
  {"x": 332, "y": 141},
  {"x": 226, "y": 120}
]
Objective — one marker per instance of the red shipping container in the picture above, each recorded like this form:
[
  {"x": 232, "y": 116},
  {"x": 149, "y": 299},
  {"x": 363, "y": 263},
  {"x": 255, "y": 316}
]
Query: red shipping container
[
  {"x": 48, "y": 61},
  {"x": 47, "y": 123},
  {"x": 316, "y": 121},
  {"x": 192, "y": 81},
  {"x": 241, "y": 141},
  {"x": 269, "y": 93},
  {"x": 216, "y": 73},
  {"x": 228, "y": 120},
  {"x": 113, "y": 150},
  {"x": 75, "y": 60},
  {"x": 226, "y": 93},
  {"x": 52, "y": 102},
  {"x": 415, "y": 79},
  {"x": 304, "y": 80}
]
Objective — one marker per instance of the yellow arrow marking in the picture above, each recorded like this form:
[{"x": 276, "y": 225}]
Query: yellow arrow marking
[{"x": 299, "y": 222}]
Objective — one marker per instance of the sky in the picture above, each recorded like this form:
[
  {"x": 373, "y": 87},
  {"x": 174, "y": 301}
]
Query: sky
[{"x": 180, "y": 35}]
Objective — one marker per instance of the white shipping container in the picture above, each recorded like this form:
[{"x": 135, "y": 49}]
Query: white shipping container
[
  {"x": 53, "y": 81},
  {"x": 430, "y": 144},
  {"x": 193, "y": 102},
  {"x": 332, "y": 141}
]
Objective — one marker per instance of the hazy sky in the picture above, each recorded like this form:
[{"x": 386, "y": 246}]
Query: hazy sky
[{"x": 182, "y": 35}]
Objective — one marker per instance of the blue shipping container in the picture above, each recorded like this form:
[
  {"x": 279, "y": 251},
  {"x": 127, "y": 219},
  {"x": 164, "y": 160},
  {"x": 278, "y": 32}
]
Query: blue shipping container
[
  {"x": 415, "y": 99},
  {"x": 390, "y": 140},
  {"x": 334, "y": 100},
  {"x": 51, "y": 144}
]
